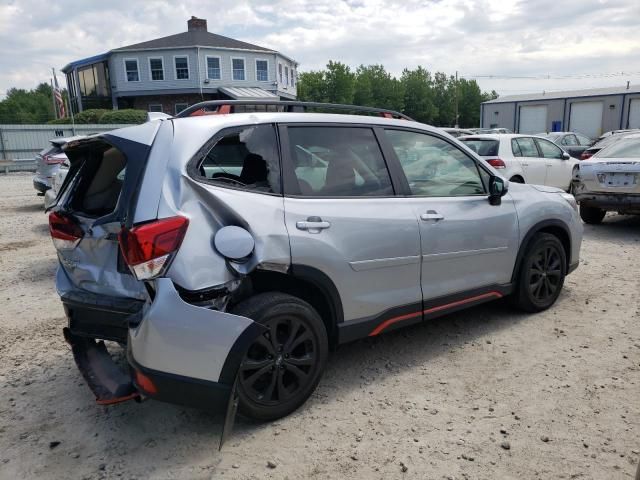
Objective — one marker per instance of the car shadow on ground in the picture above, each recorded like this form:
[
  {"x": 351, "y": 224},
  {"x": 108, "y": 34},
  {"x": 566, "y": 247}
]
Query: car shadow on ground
[{"x": 29, "y": 207}]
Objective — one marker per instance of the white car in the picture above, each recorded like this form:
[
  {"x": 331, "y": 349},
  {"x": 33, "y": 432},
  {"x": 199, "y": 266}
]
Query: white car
[{"x": 525, "y": 158}]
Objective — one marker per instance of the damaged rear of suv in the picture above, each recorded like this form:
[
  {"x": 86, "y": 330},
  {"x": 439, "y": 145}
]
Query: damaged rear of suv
[{"x": 228, "y": 252}]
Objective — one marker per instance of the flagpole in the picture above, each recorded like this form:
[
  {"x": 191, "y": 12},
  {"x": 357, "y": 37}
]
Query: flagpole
[{"x": 53, "y": 98}]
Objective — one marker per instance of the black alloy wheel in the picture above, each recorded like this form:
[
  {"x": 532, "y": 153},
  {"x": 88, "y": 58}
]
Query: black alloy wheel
[{"x": 545, "y": 273}]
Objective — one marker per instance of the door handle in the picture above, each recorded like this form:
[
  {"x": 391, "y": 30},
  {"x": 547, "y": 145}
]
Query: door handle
[
  {"x": 431, "y": 215},
  {"x": 313, "y": 225},
  {"x": 524, "y": 164}
]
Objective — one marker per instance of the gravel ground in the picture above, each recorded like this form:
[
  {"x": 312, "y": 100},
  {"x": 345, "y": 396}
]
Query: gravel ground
[{"x": 486, "y": 393}]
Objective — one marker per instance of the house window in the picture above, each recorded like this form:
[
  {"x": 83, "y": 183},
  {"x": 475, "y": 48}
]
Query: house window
[
  {"x": 262, "y": 71},
  {"x": 293, "y": 76},
  {"x": 286, "y": 75},
  {"x": 238, "y": 68},
  {"x": 157, "y": 68},
  {"x": 213, "y": 68},
  {"x": 280, "y": 72},
  {"x": 155, "y": 107},
  {"x": 131, "y": 69},
  {"x": 180, "y": 106},
  {"x": 182, "y": 68}
]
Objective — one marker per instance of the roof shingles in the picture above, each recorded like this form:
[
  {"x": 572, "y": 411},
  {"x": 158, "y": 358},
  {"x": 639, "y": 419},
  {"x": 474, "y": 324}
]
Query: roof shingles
[{"x": 200, "y": 38}]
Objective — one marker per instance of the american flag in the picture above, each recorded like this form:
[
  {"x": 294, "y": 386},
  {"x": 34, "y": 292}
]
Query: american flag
[{"x": 57, "y": 94}]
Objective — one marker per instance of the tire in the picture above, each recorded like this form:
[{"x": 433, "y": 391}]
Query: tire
[
  {"x": 592, "y": 215},
  {"x": 517, "y": 179},
  {"x": 282, "y": 367},
  {"x": 541, "y": 275}
]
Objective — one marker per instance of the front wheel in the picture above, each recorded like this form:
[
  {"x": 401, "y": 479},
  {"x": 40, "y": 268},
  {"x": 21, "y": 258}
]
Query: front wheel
[
  {"x": 283, "y": 366},
  {"x": 541, "y": 275},
  {"x": 592, "y": 215}
]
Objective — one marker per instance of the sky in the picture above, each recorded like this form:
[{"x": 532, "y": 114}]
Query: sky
[{"x": 547, "y": 45}]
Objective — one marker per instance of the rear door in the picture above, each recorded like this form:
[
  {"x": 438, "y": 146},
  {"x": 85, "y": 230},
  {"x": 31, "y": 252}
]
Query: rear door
[
  {"x": 345, "y": 222},
  {"x": 533, "y": 165},
  {"x": 467, "y": 244}
]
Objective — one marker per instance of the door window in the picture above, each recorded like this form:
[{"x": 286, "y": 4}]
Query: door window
[
  {"x": 583, "y": 140},
  {"x": 527, "y": 147},
  {"x": 570, "y": 140},
  {"x": 548, "y": 149},
  {"x": 246, "y": 158},
  {"x": 434, "y": 167},
  {"x": 515, "y": 148},
  {"x": 338, "y": 162}
]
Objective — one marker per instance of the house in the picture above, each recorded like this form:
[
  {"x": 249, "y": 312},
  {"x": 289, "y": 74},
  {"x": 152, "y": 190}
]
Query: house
[
  {"x": 590, "y": 112},
  {"x": 170, "y": 73}
]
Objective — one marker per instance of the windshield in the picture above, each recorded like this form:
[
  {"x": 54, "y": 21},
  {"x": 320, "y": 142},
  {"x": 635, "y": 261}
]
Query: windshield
[
  {"x": 626, "y": 148},
  {"x": 482, "y": 146}
]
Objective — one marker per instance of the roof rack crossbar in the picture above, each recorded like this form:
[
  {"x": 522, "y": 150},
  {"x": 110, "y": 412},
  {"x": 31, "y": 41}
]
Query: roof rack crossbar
[{"x": 290, "y": 106}]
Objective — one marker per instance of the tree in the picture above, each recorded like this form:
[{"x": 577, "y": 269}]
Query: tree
[
  {"x": 469, "y": 99},
  {"x": 27, "y": 106},
  {"x": 444, "y": 99},
  {"x": 312, "y": 87},
  {"x": 418, "y": 95},
  {"x": 377, "y": 88},
  {"x": 339, "y": 83}
]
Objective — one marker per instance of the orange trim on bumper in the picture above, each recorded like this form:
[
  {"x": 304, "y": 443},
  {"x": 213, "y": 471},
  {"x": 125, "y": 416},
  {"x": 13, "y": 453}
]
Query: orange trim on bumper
[{"x": 439, "y": 308}]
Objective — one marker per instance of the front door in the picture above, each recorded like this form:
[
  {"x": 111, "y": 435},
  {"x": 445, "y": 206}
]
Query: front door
[
  {"x": 533, "y": 166},
  {"x": 345, "y": 222},
  {"x": 467, "y": 244},
  {"x": 559, "y": 169}
]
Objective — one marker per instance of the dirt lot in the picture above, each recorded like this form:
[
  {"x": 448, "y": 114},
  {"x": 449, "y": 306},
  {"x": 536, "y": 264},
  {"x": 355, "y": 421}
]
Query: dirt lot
[{"x": 486, "y": 393}]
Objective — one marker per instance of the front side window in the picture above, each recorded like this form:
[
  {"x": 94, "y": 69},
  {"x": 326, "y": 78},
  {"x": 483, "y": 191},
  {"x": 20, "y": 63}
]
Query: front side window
[
  {"x": 583, "y": 140},
  {"x": 262, "y": 71},
  {"x": 156, "y": 68},
  {"x": 527, "y": 147},
  {"x": 213, "y": 68},
  {"x": 548, "y": 149},
  {"x": 131, "y": 68},
  {"x": 246, "y": 158},
  {"x": 338, "y": 162},
  {"x": 182, "y": 68},
  {"x": 434, "y": 167},
  {"x": 238, "y": 68},
  {"x": 570, "y": 140}
]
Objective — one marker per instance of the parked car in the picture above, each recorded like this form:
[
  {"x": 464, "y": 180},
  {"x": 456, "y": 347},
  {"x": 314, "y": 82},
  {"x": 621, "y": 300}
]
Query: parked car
[
  {"x": 606, "y": 140},
  {"x": 525, "y": 158},
  {"x": 56, "y": 182},
  {"x": 610, "y": 181},
  {"x": 229, "y": 253},
  {"x": 47, "y": 163},
  {"x": 571, "y": 142},
  {"x": 457, "y": 132}
]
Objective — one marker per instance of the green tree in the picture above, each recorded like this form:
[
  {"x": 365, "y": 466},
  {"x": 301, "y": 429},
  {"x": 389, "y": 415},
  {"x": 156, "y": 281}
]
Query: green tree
[
  {"x": 377, "y": 88},
  {"x": 27, "y": 106},
  {"x": 418, "y": 95},
  {"x": 339, "y": 83},
  {"x": 469, "y": 99},
  {"x": 312, "y": 86},
  {"x": 444, "y": 99}
]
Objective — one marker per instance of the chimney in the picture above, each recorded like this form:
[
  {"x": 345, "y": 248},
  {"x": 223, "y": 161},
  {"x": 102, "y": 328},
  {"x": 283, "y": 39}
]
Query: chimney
[{"x": 195, "y": 24}]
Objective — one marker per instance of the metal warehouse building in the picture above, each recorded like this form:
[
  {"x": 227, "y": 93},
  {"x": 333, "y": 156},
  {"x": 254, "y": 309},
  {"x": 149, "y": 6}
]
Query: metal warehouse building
[{"x": 590, "y": 112}]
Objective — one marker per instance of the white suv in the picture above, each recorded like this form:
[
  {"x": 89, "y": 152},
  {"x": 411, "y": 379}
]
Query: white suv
[{"x": 525, "y": 158}]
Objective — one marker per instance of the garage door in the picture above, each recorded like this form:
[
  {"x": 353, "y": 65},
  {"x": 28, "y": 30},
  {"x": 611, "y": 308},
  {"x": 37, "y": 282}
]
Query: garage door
[
  {"x": 533, "y": 119},
  {"x": 586, "y": 118},
  {"x": 634, "y": 113}
]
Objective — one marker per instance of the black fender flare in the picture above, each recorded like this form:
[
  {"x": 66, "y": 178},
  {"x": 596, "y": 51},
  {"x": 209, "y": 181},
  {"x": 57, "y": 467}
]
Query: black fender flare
[{"x": 322, "y": 281}]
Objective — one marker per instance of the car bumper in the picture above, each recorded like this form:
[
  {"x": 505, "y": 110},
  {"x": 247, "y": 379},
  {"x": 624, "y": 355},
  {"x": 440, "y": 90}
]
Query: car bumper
[
  {"x": 609, "y": 201},
  {"x": 176, "y": 352}
]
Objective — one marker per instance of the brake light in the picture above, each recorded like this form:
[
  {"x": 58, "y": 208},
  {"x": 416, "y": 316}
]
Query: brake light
[
  {"x": 65, "y": 232},
  {"x": 53, "y": 160},
  {"x": 148, "y": 248},
  {"x": 496, "y": 163},
  {"x": 586, "y": 155}
]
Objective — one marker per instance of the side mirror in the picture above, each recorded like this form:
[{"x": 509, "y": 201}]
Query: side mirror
[
  {"x": 498, "y": 188},
  {"x": 565, "y": 156}
]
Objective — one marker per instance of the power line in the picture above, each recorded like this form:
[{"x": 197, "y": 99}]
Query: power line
[{"x": 584, "y": 76}]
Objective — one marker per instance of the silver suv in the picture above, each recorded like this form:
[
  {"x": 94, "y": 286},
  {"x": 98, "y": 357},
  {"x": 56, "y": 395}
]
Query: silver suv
[{"x": 230, "y": 248}]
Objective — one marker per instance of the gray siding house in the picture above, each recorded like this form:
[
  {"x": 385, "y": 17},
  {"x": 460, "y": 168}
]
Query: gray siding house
[
  {"x": 169, "y": 73},
  {"x": 590, "y": 112}
]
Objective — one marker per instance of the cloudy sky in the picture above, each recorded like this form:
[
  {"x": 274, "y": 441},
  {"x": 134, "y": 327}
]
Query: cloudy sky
[{"x": 573, "y": 43}]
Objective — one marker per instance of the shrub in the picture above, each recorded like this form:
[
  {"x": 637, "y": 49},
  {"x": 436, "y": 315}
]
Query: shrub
[
  {"x": 60, "y": 121},
  {"x": 124, "y": 116},
  {"x": 92, "y": 115}
]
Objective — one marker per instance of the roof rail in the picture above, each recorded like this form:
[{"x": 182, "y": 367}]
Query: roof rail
[{"x": 225, "y": 106}]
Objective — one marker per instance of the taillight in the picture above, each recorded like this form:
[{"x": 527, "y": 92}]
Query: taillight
[
  {"x": 53, "y": 160},
  {"x": 148, "y": 248},
  {"x": 586, "y": 155},
  {"x": 496, "y": 162},
  {"x": 65, "y": 232}
]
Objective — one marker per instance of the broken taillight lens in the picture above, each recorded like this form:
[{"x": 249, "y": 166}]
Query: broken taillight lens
[
  {"x": 148, "y": 248},
  {"x": 65, "y": 232}
]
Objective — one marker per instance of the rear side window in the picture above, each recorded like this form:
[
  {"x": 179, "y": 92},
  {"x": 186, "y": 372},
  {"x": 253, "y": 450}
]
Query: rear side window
[
  {"x": 338, "y": 162},
  {"x": 515, "y": 148},
  {"x": 483, "y": 147},
  {"x": 245, "y": 158},
  {"x": 527, "y": 147}
]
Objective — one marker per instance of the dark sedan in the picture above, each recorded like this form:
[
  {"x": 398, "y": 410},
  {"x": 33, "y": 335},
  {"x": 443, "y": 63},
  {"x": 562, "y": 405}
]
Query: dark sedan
[{"x": 573, "y": 143}]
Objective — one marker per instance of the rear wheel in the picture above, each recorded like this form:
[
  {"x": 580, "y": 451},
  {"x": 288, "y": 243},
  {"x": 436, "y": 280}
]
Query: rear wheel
[
  {"x": 592, "y": 215},
  {"x": 516, "y": 179},
  {"x": 283, "y": 366},
  {"x": 541, "y": 275}
]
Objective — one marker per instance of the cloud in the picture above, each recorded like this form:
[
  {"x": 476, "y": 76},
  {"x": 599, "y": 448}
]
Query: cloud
[{"x": 494, "y": 37}]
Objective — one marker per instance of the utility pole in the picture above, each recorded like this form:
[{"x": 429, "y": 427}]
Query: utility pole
[{"x": 456, "y": 125}]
